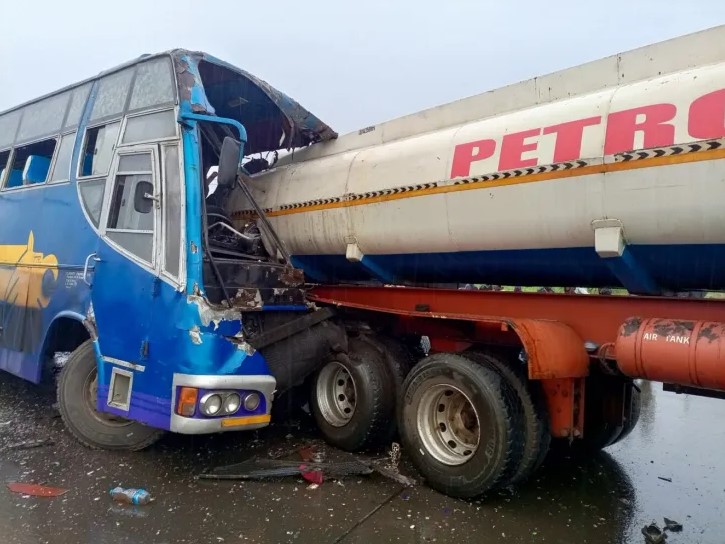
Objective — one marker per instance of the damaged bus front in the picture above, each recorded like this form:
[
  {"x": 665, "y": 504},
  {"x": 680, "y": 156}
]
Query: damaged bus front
[{"x": 176, "y": 320}]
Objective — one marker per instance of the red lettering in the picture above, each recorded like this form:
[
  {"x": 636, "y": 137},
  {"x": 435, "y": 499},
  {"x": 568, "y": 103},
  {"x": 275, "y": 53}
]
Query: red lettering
[
  {"x": 466, "y": 154},
  {"x": 622, "y": 126},
  {"x": 569, "y": 138},
  {"x": 707, "y": 116},
  {"x": 513, "y": 147}
]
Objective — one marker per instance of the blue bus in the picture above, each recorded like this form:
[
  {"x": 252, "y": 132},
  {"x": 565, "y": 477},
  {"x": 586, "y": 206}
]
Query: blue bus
[{"x": 115, "y": 247}]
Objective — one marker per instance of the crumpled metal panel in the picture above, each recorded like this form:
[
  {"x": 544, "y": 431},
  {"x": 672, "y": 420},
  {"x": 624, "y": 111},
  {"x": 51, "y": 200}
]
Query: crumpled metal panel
[{"x": 302, "y": 128}]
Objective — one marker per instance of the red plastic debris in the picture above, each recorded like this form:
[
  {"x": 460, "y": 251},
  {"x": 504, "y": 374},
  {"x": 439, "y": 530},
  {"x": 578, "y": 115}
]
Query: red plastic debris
[
  {"x": 36, "y": 490},
  {"x": 306, "y": 453},
  {"x": 312, "y": 476}
]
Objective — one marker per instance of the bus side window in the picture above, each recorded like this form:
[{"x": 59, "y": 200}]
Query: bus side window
[
  {"x": 130, "y": 220},
  {"x": 30, "y": 164},
  {"x": 95, "y": 159},
  {"x": 61, "y": 168},
  {"x": 173, "y": 199},
  {"x": 4, "y": 159}
]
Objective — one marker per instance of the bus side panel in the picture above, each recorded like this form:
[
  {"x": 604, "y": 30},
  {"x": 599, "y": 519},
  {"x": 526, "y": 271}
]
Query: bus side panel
[{"x": 44, "y": 241}]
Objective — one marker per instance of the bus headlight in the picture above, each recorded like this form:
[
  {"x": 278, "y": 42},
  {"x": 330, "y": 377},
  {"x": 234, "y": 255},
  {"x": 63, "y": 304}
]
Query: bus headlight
[
  {"x": 251, "y": 401},
  {"x": 210, "y": 404},
  {"x": 232, "y": 403}
]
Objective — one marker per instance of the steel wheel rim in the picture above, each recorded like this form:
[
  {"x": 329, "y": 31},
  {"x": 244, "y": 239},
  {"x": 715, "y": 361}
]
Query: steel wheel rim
[
  {"x": 448, "y": 425},
  {"x": 90, "y": 393},
  {"x": 336, "y": 394}
]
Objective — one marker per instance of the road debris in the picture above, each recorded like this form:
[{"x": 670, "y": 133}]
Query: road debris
[
  {"x": 389, "y": 468},
  {"x": 394, "y": 475},
  {"x": 260, "y": 469},
  {"x": 672, "y": 525},
  {"x": 35, "y": 490},
  {"x": 312, "y": 476},
  {"x": 30, "y": 444},
  {"x": 665, "y": 479},
  {"x": 395, "y": 454},
  {"x": 131, "y": 496},
  {"x": 653, "y": 534}
]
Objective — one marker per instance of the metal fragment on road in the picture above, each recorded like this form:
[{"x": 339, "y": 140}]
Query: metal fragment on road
[
  {"x": 30, "y": 444},
  {"x": 394, "y": 475},
  {"x": 653, "y": 534},
  {"x": 258, "y": 468}
]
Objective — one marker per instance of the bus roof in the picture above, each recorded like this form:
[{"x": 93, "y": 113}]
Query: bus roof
[
  {"x": 302, "y": 126},
  {"x": 72, "y": 86}
]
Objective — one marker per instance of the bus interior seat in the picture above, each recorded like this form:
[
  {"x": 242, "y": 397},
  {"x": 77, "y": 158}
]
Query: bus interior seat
[
  {"x": 36, "y": 169},
  {"x": 15, "y": 179}
]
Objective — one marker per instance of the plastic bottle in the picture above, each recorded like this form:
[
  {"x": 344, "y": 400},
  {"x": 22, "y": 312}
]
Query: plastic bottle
[{"x": 131, "y": 496}]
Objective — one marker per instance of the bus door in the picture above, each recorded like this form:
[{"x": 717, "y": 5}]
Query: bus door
[{"x": 126, "y": 274}]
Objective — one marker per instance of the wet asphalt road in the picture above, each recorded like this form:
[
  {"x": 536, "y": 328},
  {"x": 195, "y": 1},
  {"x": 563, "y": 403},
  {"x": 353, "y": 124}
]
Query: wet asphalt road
[{"x": 606, "y": 499}]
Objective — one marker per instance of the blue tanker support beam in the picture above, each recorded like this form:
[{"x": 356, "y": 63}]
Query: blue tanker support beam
[{"x": 611, "y": 245}]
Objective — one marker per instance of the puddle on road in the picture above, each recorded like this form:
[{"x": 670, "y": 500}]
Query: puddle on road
[{"x": 606, "y": 499}]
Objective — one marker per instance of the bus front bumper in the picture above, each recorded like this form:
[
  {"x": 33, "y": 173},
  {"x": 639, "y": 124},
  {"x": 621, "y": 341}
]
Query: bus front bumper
[{"x": 205, "y": 386}]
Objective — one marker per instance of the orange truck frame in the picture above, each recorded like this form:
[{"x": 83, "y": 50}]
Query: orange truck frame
[{"x": 582, "y": 351}]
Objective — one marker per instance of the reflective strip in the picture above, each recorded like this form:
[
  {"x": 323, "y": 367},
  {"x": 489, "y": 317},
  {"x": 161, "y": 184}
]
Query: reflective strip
[
  {"x": 124, "y": 364},
  {"x": 249, "y": 420}
]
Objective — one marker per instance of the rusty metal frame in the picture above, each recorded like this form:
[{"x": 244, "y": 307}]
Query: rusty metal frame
[
  {"x": 553, "y": 329},
  {"x": 594, "y": 318}
]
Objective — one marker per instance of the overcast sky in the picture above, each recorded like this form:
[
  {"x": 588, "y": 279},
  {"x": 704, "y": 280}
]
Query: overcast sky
[{"x": 352, "y": 63}]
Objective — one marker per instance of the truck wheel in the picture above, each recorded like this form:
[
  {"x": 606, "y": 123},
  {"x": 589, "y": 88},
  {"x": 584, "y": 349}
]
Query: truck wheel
[
  {"x": 600, "y": 402},
  {"x": 353, "y": 398},
  {"x": 459, "y": 424},
  {"x": 77, "y": 389},
  {"x": 537, "y": 436},
  {"x": 634, "y": 413},
  {"x": 399, "y": 362}
]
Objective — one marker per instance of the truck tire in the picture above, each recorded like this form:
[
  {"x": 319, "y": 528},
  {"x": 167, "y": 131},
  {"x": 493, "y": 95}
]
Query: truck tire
[
  {"x": 77, "y": 402},
  {"x": 449, "y": 404},
  {"x": 599, "y": 431},
  {"x": 537, "y": 435},
  {"x": 353, "y": 398},
  {"x": 399, "y": 361},
  {"x": 633, "y": 419}
]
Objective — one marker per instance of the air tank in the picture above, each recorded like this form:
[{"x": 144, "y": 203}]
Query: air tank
[
  {"x": 607, "y": 174},
  {"x": 684, "y": 352}
]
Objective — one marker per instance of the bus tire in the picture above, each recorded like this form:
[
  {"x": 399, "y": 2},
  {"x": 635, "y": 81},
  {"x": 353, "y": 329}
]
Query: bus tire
[
  {"x": 353, "y": 398},
  {"x": 450, "y": 403},
  {"x": 77, "y": 397},
  {"x": 536, "y": 435}
]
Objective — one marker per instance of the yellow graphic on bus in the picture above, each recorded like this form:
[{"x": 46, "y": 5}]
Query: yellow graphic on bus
[{"x": 22, "y": 273}]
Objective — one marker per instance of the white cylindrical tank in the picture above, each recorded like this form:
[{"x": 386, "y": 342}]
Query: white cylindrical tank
[{"x": 608, "y": 174}]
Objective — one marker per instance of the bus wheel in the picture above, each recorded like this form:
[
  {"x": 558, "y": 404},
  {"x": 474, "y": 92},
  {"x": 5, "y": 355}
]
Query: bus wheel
[
  {"x": 353, "y": 398},
  {"x": 459, "y": 425},
  {"x": 537, "y": 435},
  {"x": 77, "y": 389}
]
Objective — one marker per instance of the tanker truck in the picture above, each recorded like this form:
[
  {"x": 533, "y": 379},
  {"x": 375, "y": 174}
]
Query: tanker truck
[{"x": 606, "y": 175}]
